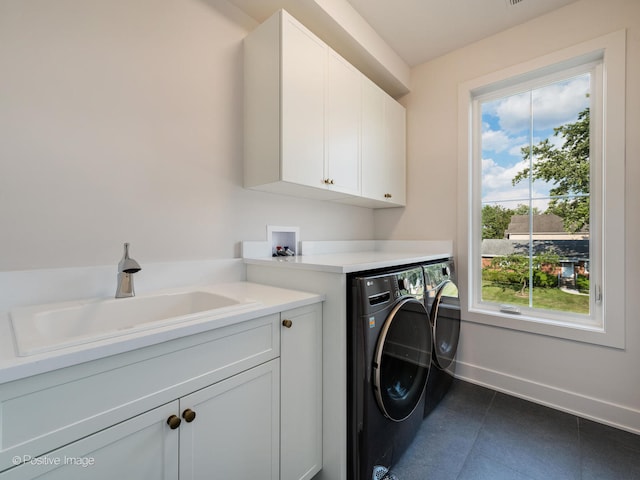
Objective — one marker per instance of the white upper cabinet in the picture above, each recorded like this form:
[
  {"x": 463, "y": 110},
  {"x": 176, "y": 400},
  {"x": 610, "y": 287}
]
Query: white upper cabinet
[
  {"x": 306, "y": 117},
  {"x": 342, "y": 123},
  {"x": 396, "y": 150},
  {"x": 383, "y": 146},
  {"x": 373, "y": 141},
  {"x": 302, "y": 106}
]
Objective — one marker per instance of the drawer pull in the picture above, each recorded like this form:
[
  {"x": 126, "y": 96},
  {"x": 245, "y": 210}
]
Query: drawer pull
[
  {"x": 174, "y": 422},
  {"x": 189, "y": 415},
  {"x": 287, "y": 323}
]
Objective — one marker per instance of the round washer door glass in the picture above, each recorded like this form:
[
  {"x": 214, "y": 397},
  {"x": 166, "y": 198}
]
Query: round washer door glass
[
  {"x": 402, "y": 359},
  {"x": 445, "y": 314}
]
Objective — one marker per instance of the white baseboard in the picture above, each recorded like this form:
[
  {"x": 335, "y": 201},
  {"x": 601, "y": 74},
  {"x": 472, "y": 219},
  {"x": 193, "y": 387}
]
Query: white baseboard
[{"x": 591, "y": 408}]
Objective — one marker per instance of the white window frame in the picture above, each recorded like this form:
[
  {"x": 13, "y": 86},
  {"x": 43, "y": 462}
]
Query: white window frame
[{"x": 606, "y": 323}]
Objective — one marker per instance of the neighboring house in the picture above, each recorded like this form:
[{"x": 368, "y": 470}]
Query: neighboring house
[
  {"x": 574, "y": 254},
  {"x": 548, "y": 237},
  {"x": 545, "y": 227}
]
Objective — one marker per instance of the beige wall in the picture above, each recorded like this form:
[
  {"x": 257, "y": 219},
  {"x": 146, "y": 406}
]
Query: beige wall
[
  {"x": 122, "y": 121},
  {"x": 595, "y": 381}
]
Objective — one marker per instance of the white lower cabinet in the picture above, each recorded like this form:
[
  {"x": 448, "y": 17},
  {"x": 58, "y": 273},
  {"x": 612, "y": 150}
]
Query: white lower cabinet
[
  {"x": 235, "y": 432},
  {"x": 142, "y": 447},
  {"x": 235, "y": 428},
  {"x": 227, "y": 430},
  {"x": 301, "y": 402}
]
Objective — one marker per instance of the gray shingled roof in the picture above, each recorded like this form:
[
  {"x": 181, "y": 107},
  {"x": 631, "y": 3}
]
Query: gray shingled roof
[
  {"x": 566, "y": 249},
  {"x": 549, "y": 222}
]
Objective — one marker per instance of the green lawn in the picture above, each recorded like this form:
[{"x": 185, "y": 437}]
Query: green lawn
[{"x": 546, "y": 298}]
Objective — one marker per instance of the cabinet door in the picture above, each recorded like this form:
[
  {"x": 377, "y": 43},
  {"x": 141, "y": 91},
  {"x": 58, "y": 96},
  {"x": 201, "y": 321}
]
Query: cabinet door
[
  {"x": 143, "y": 447},
  {"x": 343, "y": 117},
  {"x": 301, "y": 387},
  {"x": 396, "y": 127},
  {"x": 235, "y": 432},
  {"x": 383, "y": 146},
  {"x": 374, "y": 170},
  {"x": 302, "y": 105}
]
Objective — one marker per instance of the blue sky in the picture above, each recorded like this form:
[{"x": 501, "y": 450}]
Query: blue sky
[{"x": 507, "y": 127}]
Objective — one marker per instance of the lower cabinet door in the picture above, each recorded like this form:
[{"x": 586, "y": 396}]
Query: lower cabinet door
[
  {"x": 301, "y": 387},
  {"x": 234, "y": 428},
  {"x": 144, "y": 447}
]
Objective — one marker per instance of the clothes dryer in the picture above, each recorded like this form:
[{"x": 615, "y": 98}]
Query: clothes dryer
[
  {"x": 443, "y": 304},
  {"x": 389, "y": 357}
]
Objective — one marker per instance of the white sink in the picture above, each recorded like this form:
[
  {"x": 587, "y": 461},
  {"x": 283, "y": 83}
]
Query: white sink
[{"x": 44, "y": 328}]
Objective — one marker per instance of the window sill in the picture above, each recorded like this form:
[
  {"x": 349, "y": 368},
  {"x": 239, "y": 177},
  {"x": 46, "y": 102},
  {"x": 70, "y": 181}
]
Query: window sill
[{"x": 567, "y": 330}]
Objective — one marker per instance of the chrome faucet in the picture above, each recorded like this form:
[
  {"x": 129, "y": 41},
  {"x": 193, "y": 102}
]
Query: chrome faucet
[{"x": 126, "y": 268}]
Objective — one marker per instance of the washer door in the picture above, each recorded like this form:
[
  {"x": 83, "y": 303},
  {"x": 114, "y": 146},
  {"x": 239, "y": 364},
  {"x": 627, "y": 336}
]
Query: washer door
[
  {"x": 445, "y": 315},
  {"x": 402, "y": 359}
]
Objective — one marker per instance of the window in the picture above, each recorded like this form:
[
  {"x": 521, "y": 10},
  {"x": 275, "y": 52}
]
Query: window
[
  {"x": 535, "y": 170},
  {"x": 542, "y": 200}
]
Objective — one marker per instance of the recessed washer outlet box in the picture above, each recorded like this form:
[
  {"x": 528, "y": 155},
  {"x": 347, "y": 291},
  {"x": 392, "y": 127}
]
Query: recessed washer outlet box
[{"x": 283, "y": 237}]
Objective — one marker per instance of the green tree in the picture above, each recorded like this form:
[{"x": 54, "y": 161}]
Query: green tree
[
  {"x": 517, "y": 267},
  {"x": 495, "y": 220},
  {"x": 548, "y": 259},
  {"x": 568, "y": 168},
  {"x": 523, "y": 209}
]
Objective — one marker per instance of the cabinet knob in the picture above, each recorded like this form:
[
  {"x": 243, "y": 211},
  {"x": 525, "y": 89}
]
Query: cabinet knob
[
  {"x": 189, "y": 415},
  {"x": 287, "y": 323},
  {"x": 174, "y": 422},
  {"x": 387, "y": 195}
]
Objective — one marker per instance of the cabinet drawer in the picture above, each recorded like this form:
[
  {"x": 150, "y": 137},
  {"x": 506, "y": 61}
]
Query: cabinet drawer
[{"x": 44, "y": 412}]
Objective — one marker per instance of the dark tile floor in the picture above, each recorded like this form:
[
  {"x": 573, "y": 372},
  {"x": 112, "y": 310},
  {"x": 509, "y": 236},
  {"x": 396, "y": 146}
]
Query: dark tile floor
[{"x": 478, "y": 434}]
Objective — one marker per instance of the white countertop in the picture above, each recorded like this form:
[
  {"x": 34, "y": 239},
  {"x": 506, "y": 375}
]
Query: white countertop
[
  {"x": 270, "y": 300},
  {"x": 351, "y": 255},
  {"x": 348, "y": 262}
]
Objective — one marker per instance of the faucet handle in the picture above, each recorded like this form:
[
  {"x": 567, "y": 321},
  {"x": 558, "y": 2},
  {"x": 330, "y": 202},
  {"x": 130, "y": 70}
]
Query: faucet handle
[{"x": 127, "y": 264}]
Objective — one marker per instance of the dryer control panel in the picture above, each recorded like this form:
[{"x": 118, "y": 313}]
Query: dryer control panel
[
  {"x": 410, "y": 282},
  {"x": 438, "y": 273},
  {"x": 379, "y": 291}
]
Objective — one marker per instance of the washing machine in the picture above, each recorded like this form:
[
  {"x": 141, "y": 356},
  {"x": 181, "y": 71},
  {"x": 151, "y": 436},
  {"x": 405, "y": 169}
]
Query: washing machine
[
  {"x": 389, "y": 352},
  {"x": 443, "y": 304}
]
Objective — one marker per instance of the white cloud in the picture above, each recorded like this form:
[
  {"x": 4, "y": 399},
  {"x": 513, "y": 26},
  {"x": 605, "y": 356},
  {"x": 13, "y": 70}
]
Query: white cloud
[
  {"x": 516, "y": 150},
  {"x": 495, "y": 140},
  {"x": 499, "y": 141},
  {"x": 552, "y": 105},
  {"x": 495, "y": 176},
  {"x": 497, "y": 187},
  {"x": 557, "y": 141}
]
